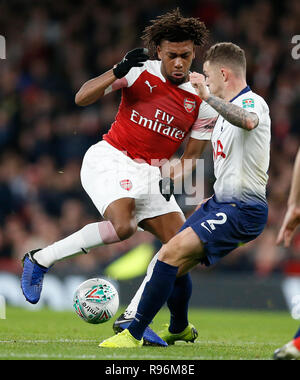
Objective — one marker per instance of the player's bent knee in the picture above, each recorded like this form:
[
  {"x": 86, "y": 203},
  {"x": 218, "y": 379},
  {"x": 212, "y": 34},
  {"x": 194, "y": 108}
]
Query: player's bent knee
[
  {"x": 164, "y": 254},
  {"x": 182, "y": 249},
  {"x": 125, "y": 230},
  {"x": 171, "y": 254}
]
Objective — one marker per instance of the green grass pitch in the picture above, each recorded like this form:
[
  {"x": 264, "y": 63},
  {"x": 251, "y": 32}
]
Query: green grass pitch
[{"x": 223, "y": 335}]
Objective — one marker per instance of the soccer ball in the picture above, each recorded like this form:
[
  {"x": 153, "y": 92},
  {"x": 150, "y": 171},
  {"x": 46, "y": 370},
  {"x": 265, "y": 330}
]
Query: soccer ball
[{"x": 96, "y": 301}]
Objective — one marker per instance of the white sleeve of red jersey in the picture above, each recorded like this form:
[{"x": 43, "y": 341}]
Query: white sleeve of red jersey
[
  {"x": 127, "y": 80},
  {"x": 134, "y": 73},
  {"x": 204, "y": 125},
  {"x": 116, "y": 85}
]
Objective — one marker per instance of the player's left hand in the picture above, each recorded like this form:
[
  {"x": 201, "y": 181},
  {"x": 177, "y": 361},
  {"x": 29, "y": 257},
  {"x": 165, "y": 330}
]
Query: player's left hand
[
  {"x": 166, "y": 187},
  {"x": 198, "y": 82},
  {"x": 134, "y": 58}
]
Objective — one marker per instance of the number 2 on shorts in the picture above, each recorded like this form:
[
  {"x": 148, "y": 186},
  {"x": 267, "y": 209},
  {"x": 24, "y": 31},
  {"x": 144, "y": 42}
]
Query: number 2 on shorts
[{"x": 212, "y": 222}]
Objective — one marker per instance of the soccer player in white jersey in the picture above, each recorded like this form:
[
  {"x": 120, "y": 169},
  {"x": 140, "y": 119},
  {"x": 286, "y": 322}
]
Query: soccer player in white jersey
[
  {"x": 291, "y": 350},
  {"x": 237, "y": 212},
  {"x": 159, "y": 108}
]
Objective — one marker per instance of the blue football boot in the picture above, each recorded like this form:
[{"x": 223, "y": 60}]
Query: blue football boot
[
  {"x": 150, "y": 337},
  {"x": 32, "y": 277}
]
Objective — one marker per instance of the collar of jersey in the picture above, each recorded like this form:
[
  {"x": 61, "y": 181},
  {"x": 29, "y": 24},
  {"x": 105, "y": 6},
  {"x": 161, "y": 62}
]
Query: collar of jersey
[{"x": 246, "y": 89}]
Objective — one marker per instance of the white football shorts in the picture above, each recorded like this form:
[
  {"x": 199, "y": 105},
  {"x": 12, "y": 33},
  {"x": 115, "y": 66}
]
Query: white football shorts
[{"x": 107, "y": 174}]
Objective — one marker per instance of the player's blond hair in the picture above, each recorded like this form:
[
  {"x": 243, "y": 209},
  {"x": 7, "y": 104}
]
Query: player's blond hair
[{"x": 227, "y": 53}]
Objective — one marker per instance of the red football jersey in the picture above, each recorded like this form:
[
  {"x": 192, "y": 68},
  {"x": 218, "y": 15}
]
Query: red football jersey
[{"x": 156, "y": 115}]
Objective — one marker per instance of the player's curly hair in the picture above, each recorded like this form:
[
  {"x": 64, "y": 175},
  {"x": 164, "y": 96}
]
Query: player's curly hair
[{"x": 173, "y": 27}]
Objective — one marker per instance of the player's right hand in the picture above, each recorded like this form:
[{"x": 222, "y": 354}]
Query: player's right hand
[
  {"x": 166, "y": 187},
  {"x": 198, "y": 82},
  {"x": 134, "y": 58},
  {"x": 290, "y": 223}
]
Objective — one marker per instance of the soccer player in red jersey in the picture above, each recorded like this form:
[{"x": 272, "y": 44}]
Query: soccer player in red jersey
[{"x": 121, "y": 173}]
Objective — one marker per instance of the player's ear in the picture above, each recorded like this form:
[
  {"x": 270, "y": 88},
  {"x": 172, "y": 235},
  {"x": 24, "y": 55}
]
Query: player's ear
[
  {"x": 224, "y": 73},
  {"x": 158, "y": 50}
]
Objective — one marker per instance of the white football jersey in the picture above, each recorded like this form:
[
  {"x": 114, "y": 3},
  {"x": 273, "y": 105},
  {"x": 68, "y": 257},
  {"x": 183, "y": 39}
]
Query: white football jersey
[{"x": 241, "y": 157}]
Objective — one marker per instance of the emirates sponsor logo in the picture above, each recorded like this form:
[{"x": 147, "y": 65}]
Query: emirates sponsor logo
[
  {"x": 126, "y": 184},
  {"x": 160, "y": 124},
  {"x": 189, "y": 105}
]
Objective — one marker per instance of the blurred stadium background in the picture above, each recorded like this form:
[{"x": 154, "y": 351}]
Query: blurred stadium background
[{"x": 52, "y": 49}]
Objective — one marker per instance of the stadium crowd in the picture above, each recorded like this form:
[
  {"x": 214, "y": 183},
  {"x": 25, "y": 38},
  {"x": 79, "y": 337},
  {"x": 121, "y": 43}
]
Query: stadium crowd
[{"x": 54, "y": 47}]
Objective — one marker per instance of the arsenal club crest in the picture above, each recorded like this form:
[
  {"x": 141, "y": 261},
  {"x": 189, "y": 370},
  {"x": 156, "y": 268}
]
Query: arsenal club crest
[
  {"x": 126, "y": 184},
  {"x": 189, "y": 105}
]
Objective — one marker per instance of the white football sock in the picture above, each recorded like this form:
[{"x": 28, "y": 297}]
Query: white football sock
[
  {"x": 132, "y": 308},
  {"x": 90, "y": 236}
]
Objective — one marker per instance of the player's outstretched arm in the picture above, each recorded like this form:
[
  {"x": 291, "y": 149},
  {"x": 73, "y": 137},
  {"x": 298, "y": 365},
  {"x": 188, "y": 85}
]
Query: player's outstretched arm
[
  {"x": 93, "y": 89},
  {"x": 292, "y": 217},
  {"x": 232, "y": 113}
]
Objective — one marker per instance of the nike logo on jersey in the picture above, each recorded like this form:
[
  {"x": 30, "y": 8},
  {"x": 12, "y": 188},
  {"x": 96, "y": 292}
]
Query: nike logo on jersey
[{"x": 149, "y": 85}]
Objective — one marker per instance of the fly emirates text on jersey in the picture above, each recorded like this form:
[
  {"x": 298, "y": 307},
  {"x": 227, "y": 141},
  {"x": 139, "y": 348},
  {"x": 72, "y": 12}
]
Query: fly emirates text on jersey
[{"x": 162, "y": 126}]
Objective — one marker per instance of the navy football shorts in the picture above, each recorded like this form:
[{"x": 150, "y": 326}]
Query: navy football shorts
[{"x": 222, "y": 227}]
